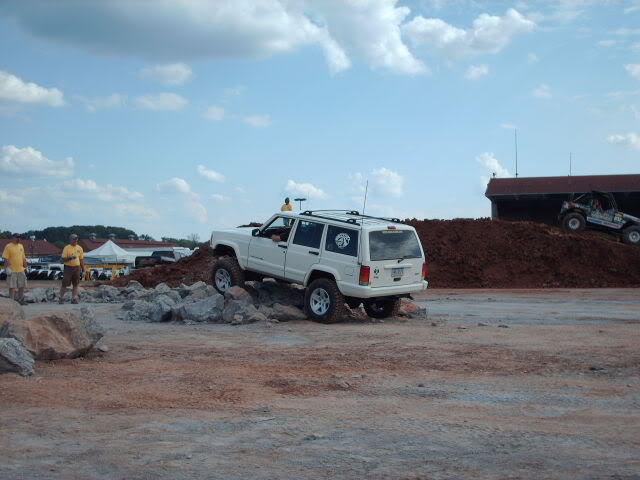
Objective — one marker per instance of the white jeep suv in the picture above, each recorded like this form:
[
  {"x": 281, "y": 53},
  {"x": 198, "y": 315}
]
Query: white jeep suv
[{"x": 338, "y": 256}]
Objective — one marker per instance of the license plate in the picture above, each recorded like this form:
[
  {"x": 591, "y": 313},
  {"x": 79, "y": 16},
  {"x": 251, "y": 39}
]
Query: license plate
[{"x": 396, "y": 272}]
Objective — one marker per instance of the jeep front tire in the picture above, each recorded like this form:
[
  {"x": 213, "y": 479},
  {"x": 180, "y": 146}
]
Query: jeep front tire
[
  {"x": 573, "y": 222},
  {"x": 631, "y": 235},
  {"x": 226, "y": 273},
  {"x": 323, "y": 302}
]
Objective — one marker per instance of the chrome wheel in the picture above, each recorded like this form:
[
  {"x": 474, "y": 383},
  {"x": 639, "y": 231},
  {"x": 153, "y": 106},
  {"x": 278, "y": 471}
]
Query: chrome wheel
[
  {"x": 320, "y": 301},
  {"x": 222, "y": 279},
  {"x": 574, "y": 224},
  {"x": 634, "y": 237}
]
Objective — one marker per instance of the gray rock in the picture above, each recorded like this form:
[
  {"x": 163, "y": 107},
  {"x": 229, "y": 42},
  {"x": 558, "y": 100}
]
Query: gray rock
[
  {"x": 15, "y": 358},
  {"x": 286, "y": 313},
  {"x": 162, "y": 308},
  {"x": 52, "y": 294},
  {"x": 134, "y": 285},
  {"x": 162, "y": 288},
  {"x": 238, "y": 294},
  {"x": 107, "y": 293},
  {"x": 10, "y": 310},
  {"x": 140, "y": 311},
  {"x": 242, "y": 311},
  {"x": 206, "y": 310},
  {"x": 270, "y": 292},
  {"x": 201, "y": 292},
  {"x": 35, "y": 295}
]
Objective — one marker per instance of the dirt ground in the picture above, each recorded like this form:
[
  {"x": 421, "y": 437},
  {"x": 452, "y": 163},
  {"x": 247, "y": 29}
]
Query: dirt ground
[{"x": 492, "y": 384}]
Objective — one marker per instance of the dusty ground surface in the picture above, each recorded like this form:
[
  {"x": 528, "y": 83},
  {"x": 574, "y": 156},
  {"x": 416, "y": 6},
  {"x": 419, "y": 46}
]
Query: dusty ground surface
[{"x": 554, "y": 395}]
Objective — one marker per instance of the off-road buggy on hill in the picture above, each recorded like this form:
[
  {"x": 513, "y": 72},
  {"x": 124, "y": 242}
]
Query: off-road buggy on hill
[{"x": 598, "y": 210}]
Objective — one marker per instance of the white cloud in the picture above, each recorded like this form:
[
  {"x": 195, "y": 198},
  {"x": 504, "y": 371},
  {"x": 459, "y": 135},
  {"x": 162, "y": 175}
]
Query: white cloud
[
  {"x": 532, "y": 58},
  {"x": 542, "y": 91},
  {"x": 168, "y": 74},
  {"x": 220, "y": 198},
  {"x": 607, "y": 43},
  {"x": 161, "y": 101},
  {"x": 629, "y": 140},
  {"x": 174, "y": 185},
  {"x": 491, "y": 163},
  {"x": 196, "y": 210},
  {"x": 31, "y": 162},
  {"x": 258, "y": 121},
  {"x": 489, "y": 34},
  {"x": 633, "y": 69},
  {"x": 508, "y": 126},
  {"x": 180, "y": 30},
  {"x": 115, "y": 100},
  {"x": 215, "y": 113},
  {"x": 106, "y": 193},
  {"x": 14, "y": 89},
  {"x": 387, "y": 182},
  {"x": 474, "y": 72},
  {"x": 10, "y": 197},
  {"x": 306, "y": 190},
  {"x": 142, "y": 212},
  {"x": 626, "y": 32},
  {"x": 210, "y": 174}
]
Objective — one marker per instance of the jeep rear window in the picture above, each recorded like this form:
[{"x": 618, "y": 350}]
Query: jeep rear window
[
  {"x": 342, "y": 240},
  {"x": 393, "y": 244}
]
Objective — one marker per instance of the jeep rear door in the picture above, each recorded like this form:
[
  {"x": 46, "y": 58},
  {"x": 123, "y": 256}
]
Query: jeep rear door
[{"x": 395, "y": 257}]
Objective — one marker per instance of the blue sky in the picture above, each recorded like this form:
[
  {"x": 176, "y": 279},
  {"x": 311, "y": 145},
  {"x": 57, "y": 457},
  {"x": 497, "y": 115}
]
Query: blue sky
[{"x": 177, "y": 117}]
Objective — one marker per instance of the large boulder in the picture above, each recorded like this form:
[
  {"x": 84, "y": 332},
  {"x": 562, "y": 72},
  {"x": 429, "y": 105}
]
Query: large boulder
[
  {"x": 198, "y": 291},
  {"x": 107, "y": 293},
  {"x": 238, "y": 312},
  {"x": 238, "y": 294},
  {"x": 10, "y": 310},
  {"x": 286, "y": 313},
  {"x": 51, "y": 337},
  {"x": 270, "y": 292},
  {"x": 206, "y": 310},
  {"x": 137, "y": 310},
  {"x": 161, "y": 309},
  {"x": 409, "y": 308},
  {"x": 15, "y": 358}
]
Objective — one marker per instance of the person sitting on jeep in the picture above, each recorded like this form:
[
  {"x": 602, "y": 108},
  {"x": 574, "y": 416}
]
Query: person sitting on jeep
[{"x": 281, "y": 236}]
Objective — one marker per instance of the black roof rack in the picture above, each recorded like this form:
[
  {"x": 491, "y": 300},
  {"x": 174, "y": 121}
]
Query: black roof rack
[
  {"x": 313, "y": 213},
  {"x": 388, "y": 219}
]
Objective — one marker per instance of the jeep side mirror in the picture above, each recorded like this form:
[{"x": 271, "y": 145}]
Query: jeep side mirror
[{"x": 255, "y": 232}]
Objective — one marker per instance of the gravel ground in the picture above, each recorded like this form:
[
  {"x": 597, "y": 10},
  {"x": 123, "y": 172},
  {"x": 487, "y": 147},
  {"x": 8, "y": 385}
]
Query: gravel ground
[{"x": 490, "y": 384}]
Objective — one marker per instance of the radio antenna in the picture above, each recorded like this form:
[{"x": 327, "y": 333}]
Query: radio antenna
[
  {"x": 515, "y": 133},
  {"x": 570, "y": 162},
  {"x": 366, "y": 190}
]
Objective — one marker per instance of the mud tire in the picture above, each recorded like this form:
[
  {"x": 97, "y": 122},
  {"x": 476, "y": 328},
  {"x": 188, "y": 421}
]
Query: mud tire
[
  {"x": 631, "y": 235},
  {"x": 573, "y": 222},
  {"x": 382, "y": 308},
  {"x": 226, "y": 268},
  {"x": 323, "y": 301}
]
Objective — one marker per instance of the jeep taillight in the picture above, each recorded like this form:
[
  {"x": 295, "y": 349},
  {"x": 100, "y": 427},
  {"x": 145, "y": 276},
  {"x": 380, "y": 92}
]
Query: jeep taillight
[
  {"x": 424, "y": 270},
  {"x": 365, "y": 273}
]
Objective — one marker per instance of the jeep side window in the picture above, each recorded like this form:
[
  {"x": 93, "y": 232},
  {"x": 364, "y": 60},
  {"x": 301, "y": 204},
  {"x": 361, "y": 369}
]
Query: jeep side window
[
  {"x": 278, "y": 226},
  {"x": 308, "y": 234},
  {"x": 342, "y": 240}
]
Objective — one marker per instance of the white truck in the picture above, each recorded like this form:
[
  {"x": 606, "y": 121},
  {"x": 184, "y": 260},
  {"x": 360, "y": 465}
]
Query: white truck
[{"x": 339, "y": 256}]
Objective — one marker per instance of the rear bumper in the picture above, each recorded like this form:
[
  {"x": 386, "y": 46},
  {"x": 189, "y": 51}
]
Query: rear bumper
[{"x": 358, "y": 291}]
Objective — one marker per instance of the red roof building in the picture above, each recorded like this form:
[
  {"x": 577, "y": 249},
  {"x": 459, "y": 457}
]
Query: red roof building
[
  {"x": 34, "y": 248},
  {"x": 540, "y": 198},
  {"x": 89, "y": 244}
]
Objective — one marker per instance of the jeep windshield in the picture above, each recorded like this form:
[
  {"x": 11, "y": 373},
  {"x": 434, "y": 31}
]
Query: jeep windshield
[{"x": 393, "y": 244}]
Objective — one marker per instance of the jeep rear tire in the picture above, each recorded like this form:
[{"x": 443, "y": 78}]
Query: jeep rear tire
[
  {"x": 573, "y": 222},
  {"x": 382, "y": 307},
  {"x": 631, "y": 235},
  {"x": 226, "y": 273},
  {"x": 323, "y": 302}
]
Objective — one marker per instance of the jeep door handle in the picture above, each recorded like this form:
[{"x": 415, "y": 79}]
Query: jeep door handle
[
  {"x": 282, "y": 246},
  {"x": 313, "y": 253}
]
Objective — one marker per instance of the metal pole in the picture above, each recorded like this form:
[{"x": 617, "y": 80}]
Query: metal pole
[{"x": 515, "y": 131}]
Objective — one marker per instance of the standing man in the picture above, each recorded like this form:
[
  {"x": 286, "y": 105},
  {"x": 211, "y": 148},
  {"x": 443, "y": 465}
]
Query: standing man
[
  {"x": 15, "y": 263},
  {"x": 287, "y": 206},
  {"x": 73, "y": 258}
]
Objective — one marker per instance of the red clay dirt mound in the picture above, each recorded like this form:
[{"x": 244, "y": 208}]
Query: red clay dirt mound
[{"x": 480, "y": 253}]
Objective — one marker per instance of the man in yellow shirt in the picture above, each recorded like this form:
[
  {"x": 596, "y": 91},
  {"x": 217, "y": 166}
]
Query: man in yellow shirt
[
  {"x": 73, "y": 258},
  {"x": 15, "y": 263},
  {"x": 287, "y": 206}
]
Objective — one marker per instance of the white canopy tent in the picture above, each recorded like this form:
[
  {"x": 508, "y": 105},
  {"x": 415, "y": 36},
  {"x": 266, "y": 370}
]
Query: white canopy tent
[{"x": 109, "y": 252}]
